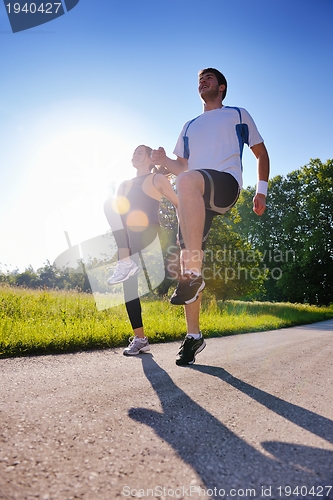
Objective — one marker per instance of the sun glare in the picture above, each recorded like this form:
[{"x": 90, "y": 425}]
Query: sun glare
[
  {"x": 84, "y": 161},
  {"x": 76, "y": 154},
  {"x": 74, "y": 174}
]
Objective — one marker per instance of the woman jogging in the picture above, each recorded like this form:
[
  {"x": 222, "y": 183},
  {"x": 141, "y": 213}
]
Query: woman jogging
[{"x": 136, "y": 207}]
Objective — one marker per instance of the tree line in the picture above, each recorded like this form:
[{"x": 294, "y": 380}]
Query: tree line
[
  {"x": 295, "y": 234},
  {"x": 285, "y": 255}
]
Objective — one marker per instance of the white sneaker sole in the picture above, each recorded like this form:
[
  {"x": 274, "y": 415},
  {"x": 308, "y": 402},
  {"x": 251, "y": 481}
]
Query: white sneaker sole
[
  {"x": 132, "y": 272},
  {"x": 143, "y": 349},
  {"x": 201, "y": 348},
  {"x": 202, "y": 286}
]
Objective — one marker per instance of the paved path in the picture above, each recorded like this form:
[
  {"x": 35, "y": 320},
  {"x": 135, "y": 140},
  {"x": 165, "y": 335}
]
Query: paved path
[{"x": 250, "y": 418}]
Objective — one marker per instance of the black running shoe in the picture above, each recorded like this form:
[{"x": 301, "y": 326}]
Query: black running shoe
[
  {"x": 188, "y": 289},
  {"x": 189, "y": 349}
]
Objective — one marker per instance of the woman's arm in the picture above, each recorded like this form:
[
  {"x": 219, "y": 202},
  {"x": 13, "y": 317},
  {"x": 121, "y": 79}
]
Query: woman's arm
[{"x": 121, "y": 189}]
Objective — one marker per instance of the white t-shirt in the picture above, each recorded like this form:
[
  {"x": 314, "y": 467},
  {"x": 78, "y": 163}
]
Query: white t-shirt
[{"x": 213, "y": 142}]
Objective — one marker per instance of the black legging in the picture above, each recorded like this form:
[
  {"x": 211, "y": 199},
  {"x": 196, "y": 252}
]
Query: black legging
[{"x": 135, "y": 241}]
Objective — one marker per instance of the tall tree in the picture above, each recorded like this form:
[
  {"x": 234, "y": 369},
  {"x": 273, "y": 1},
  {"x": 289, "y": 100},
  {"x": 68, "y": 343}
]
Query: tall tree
[
  {"x": 295, "y": 235},
  {"x": 232, "y": 267}
]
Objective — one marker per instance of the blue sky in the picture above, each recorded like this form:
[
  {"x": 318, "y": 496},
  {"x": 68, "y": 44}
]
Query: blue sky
[{"x": 78, "y": 94}]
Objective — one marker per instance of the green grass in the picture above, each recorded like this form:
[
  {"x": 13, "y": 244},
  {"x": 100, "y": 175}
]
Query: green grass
[{"x": 41, "y": 322}]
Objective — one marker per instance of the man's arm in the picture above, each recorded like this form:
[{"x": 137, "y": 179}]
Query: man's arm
[
  {"x": 176, "y": 167},
  {"x": 259, "y": 200}
]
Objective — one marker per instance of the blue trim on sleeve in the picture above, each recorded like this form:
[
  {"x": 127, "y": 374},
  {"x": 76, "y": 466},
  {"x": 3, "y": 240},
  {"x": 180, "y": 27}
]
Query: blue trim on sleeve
[
  {"x": 186, "y": 153},
  {"x": 242, "y": 132}
]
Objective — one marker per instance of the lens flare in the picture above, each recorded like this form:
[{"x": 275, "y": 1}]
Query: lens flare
[
  {"x": 121, "y": 205},
  {"x": 137, "y": 221}
]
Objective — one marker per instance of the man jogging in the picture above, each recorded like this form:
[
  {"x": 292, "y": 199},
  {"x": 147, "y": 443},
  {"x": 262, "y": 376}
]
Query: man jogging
[{"x": 209, "y": 180}]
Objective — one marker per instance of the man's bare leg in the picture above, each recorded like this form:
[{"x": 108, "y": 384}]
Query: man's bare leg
[
  {"x": 191, "y": 213},
  {"x": 192, "y": 313},
  {"x": 193, "y": 343}
]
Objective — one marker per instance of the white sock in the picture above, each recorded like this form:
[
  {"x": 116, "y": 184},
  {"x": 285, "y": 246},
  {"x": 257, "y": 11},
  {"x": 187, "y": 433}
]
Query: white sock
[
  {"x": 195, "y": 335},
  {"x": 196, "y": 273}
]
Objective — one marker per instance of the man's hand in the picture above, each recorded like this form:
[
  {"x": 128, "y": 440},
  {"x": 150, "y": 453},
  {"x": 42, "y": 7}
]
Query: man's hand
[
  {"x": 158, "y": 157},
  {"x": 259, "y": 204}
]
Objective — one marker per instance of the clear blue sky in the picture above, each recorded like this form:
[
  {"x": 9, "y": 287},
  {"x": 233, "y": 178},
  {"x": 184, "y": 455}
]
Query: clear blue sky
[{"x": 79, "y": 93}]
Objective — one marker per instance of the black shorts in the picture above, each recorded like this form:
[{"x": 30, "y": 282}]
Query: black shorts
[
  {"x": 221, "y": 190},
  {"x": 220, "y": 194}
]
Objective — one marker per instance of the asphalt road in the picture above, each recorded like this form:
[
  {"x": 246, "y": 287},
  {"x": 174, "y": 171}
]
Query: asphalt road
[{"x": 253, "y": 418}]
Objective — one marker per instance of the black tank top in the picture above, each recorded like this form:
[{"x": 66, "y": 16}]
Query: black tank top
[{"x": 139, "y": 200}]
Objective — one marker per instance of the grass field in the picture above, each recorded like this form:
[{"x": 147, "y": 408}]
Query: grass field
[{"x": 43, "y": 321}]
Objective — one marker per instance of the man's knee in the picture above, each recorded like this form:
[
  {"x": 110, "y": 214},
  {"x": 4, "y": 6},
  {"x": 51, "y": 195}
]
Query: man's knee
[{"x": 190, "y": 181}]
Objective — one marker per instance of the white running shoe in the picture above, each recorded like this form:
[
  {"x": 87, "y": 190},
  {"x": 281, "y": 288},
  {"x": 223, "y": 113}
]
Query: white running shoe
[
  {"x": 136, "y": 346},
  {"x": 122, "y": 272}
]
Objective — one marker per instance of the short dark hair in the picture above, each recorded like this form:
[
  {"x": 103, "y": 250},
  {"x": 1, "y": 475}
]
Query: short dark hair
[{"x": 221, "y": 79}]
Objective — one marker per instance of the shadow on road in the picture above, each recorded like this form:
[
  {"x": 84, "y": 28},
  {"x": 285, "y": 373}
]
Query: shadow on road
[
  {"x": 321, "y": 426},
  {"x": 221, "y": 458},
  {"x": 321, "y": 325}
]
